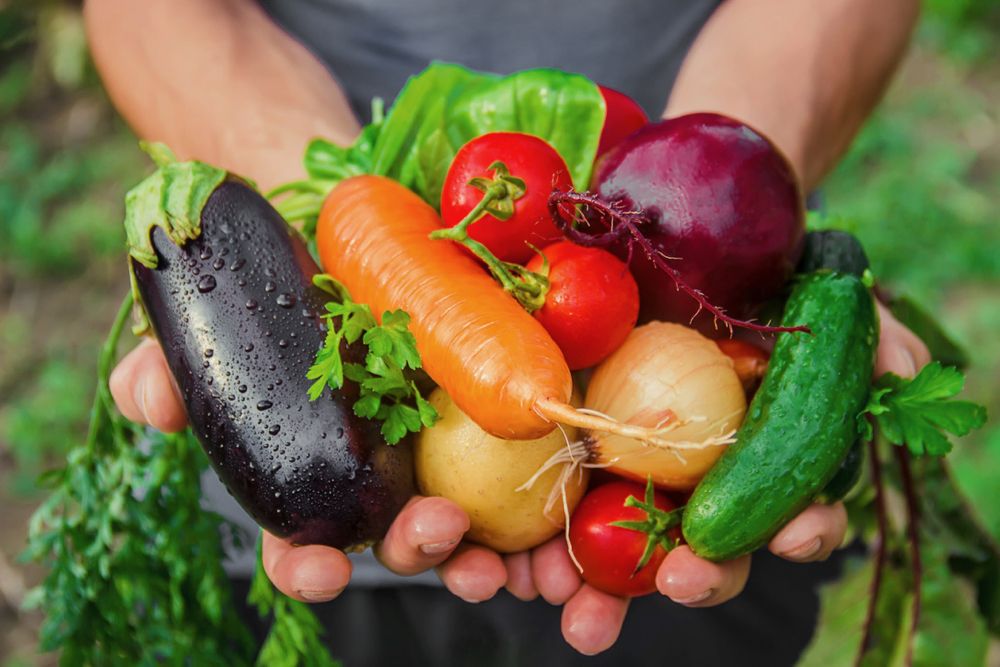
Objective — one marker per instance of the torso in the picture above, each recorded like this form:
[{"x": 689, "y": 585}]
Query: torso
[{"x": 372, "y": 46}]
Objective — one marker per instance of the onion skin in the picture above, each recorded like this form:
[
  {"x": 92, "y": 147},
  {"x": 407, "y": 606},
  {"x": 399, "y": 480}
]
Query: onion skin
[{"x": 664, "y": 367}]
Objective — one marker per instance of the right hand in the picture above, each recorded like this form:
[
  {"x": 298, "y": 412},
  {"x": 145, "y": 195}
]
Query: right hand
[{"x": 424, "y": 535}]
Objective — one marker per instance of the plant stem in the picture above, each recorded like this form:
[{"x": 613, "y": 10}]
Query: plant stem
[
  {"x": 625, "y": 228},
  {"x": 103, "y": 406},
  {"x": 880, "y": 551},
  {"x": 912, "y": 530},
  {"x": 527, "y": 287}
]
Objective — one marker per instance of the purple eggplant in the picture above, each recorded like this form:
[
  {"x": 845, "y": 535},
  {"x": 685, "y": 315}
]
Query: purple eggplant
[{"x": 231, "y": 300}]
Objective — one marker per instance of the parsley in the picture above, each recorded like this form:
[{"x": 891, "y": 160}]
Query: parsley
[
  {"x": 917, "y": 412},
  {"x": 294, "y": 638},
  {"x": 387, "y": 392}
]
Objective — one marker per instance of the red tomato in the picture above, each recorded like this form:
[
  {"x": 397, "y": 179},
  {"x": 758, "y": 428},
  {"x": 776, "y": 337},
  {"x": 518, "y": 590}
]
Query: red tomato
[
  {"x": 609, "y": 554},
  {"x": 624, "y": 116},
  {"x": 592, "y": 304},
  {"x": 527, "y": 157}
]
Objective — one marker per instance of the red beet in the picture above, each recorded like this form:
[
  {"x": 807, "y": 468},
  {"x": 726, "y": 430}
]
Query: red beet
[{"x": 720, "y": 200}]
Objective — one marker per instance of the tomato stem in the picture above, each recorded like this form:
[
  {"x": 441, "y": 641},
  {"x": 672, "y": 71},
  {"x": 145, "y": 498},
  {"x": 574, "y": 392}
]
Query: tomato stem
[
  {"x": 499, "y": 195},
  {"x": 657, "y": 524}
]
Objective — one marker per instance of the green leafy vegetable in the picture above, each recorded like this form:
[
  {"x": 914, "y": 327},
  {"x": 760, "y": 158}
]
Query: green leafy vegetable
[
  {"x": 294, "y": 639},
  {"x": 326, "y": 164},
  {"x": 135, "y": 564},
  {"x": 916, "y": 411},
  {"x": 435, "y": 114},
  {"x": 446, "y": 105},
  {"x": 387, "y": 393}
]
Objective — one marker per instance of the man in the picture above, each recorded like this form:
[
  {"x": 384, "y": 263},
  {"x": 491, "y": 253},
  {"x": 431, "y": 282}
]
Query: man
[{"x": 219, "y": 80}]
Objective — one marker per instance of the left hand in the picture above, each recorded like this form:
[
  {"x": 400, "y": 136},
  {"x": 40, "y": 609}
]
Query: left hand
[{"x": 591, "y": 619}]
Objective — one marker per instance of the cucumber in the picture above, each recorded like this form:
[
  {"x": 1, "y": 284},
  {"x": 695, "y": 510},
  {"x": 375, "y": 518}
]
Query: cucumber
[
  {"x": 833, "y": 249},
  {"x": 799, "y": 426},
  {"x": 846, "y": 477}
]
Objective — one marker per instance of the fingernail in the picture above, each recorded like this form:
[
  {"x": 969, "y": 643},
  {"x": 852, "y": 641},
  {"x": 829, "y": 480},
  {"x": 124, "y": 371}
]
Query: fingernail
[
  {"x": 804, "y": 551},
  {"x": 139, "y": 395},
  {"x": 695, "y": 598},
  {"x": 319, "y": 596},
  {"x": 438, "y": 547}
]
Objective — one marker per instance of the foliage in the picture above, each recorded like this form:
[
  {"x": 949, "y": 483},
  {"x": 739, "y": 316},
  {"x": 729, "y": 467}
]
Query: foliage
[{"x": 386, "y": 391}]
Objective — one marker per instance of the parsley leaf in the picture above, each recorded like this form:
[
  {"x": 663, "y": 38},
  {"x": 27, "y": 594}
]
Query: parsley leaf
[
  {"x": 387, "y": 394},
  {"x": 918, "y": 412}
]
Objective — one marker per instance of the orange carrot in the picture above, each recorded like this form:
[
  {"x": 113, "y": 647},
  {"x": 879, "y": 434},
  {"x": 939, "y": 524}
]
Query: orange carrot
[{"x": 494, "y": 359}]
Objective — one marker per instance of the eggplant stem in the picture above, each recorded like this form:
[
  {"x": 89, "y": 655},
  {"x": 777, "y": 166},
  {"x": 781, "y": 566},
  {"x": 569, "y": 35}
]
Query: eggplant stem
[{"x": 628, "y": 223}]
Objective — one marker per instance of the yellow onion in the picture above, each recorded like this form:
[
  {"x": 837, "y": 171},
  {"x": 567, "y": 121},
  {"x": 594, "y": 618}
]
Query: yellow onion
[{"x": 671, "y": 377}]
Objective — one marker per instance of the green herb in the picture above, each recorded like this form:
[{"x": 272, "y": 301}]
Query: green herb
[
  {"x": 294, "y": 638},
  {"x": 135, "y": 564},
  {"x": 435, "y": 114},
  {"x": 387, "y": 393},
  {"x": 917, "y": 411}
]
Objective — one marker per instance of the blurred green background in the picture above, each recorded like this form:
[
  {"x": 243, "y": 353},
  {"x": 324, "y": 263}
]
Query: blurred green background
[{"x": 920, "y": 186}]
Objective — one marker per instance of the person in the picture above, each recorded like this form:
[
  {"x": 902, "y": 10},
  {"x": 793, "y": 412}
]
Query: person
[{"x": 245, "y": 86}]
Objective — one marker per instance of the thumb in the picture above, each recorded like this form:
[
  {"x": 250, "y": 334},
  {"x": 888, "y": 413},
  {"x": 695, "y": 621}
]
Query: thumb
[{"x": 899, "y": 350}]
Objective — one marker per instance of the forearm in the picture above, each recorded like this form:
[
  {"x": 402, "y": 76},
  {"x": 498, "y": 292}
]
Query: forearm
[
  {"x": 218, "y": 81},
  {"x": 806, "y": 74}
]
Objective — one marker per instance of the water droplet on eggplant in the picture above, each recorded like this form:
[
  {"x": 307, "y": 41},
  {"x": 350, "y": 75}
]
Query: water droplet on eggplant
[{"x": 206, "y": 284}]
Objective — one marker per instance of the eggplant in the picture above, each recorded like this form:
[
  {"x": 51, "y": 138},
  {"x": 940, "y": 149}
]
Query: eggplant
[{"x": 227, "y": 288}]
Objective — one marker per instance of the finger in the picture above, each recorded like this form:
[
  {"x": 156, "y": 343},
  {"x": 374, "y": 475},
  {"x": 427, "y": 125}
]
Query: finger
[
  {"x": 900, "y": 351},
  {"x": 592, "y": 620},
  {"x": 694, "y": 582},
  {"x": 473, "y": 573},
  {"x": 423, "y": 535},
  {"x": 520, "y": 583},
  {"x": 313, "y": 573},
  {"x": 556, "y": 577},
  {"x": 812, "y": 535},
  {"x": 144, "y": 391}
]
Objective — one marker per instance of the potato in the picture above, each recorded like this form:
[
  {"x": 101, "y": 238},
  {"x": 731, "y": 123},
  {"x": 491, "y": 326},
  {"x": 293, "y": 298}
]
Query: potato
[{"x": 458, "y": 460}]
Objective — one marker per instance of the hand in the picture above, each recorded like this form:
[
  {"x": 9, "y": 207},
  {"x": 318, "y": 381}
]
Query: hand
[
  {"x": 592, "y": 620},
  {"x": 424, "y": 534}
]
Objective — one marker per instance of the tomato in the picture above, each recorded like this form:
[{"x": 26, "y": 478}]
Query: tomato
[
  {"x": 527, "y": 157},
  {"x": 609, "y": 554},
  {"x": 624, "y": 116},
  {"x": 592, "y": 304},
  {"x": 749, "y": 361}
]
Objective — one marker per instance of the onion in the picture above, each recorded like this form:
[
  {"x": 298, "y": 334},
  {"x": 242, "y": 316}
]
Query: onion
[{"x": 671, "y": 377}]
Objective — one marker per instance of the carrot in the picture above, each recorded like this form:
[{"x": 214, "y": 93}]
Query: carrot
[
  {"x": 495, "y": 361},
  {"x": 492, "y": 357}
]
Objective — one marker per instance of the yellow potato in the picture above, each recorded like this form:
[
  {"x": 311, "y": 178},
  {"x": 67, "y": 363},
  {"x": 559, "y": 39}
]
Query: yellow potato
[{"x": 458, "y": 460}]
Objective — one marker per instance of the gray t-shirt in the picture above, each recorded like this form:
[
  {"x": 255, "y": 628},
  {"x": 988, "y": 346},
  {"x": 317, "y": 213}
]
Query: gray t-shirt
[{"x": 372, "y": 46}]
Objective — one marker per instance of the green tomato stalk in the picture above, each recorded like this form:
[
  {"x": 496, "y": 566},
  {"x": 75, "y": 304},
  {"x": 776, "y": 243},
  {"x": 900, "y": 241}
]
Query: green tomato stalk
[{"x": 499, "y": 195}]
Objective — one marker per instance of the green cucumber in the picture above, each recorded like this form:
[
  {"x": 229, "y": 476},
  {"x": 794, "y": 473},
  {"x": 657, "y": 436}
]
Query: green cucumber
[
  {"x": 799, "y": 426},
  {"x": 846, "y": 477},
  {"x": 833, "y": 249}
]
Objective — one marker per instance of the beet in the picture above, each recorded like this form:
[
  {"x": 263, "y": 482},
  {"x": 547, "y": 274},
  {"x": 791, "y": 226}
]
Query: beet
[
  {"x": 239, "y": 320},
  {"x": 719, "y": 200}
]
